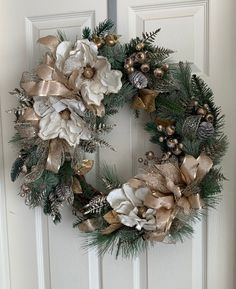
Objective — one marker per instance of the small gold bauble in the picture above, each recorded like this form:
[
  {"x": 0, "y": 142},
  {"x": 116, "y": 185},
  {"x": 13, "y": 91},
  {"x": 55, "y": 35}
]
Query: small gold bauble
[
  {"x": 201, "y": 111},
  {"x": 140, "y": 57},
  {"x": 206, "y": 106},
  {"x": 127, "y": 66},
  {"x": 170, "y": 130},
  {"x": 111, "y": 39},
  {"x": 99, "y": 41},
  {"x": 171, "y": 143},
  {"x": 209, "y": 117},
  {"x": 129, "y": 61},
  {"x": 175, "y": 141},
  {"x": 161, "y": 139},
  {"x": 88, "y": 72},
  {"x": 158, "y": 73},
  {"x": 140, "y": 46},
  {"x": 150, "y": 155},
  {"x": 130, "y": 70},
  {"x": 177, "y": 151},
  {"x": 140, "y": 160},
  {"x": 180, "y": 146},
  {"x": 145, "y": 67},
  {"x": 65, "y": 114},
  {"x": 165, "y": 67},
  {"x": 159, "y": 127},
  {"x": 194, "y": 102}
]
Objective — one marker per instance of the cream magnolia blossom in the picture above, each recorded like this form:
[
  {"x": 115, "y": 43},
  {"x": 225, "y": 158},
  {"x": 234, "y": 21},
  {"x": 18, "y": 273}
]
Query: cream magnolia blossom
[
  {"x": 83, "y": 58},
  {"x": 61, "y": 118},
  {"x": 126, "y": 202}
]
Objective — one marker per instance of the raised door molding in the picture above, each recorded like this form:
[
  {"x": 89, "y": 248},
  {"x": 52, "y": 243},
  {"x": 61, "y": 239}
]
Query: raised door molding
[{"x": 70, "y": 23}]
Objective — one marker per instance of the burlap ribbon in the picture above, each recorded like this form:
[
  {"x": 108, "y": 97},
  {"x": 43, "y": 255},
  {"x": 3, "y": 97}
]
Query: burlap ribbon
[{"x": 145, "y": 100}]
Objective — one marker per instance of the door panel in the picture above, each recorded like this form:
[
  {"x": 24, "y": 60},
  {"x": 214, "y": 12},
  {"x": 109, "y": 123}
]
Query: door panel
[{"x": 34, "y": 253}]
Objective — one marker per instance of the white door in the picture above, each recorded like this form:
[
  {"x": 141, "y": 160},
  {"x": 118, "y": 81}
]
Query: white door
[{"x": 34, "y": 253}]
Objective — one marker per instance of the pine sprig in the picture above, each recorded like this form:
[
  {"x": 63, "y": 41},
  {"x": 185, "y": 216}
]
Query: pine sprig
[
  {"x": 149, "y": 37},
  {"x": 103, "y": 27},
  {"x": 87, "y": 33}
]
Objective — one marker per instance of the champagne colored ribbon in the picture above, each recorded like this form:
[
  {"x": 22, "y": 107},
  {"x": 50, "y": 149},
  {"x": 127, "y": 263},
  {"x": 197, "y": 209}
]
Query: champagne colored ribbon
[
  {"x": 89, "y": 225},
  {"x": 114, "y": 222},
  {"x": 49, "y": 41},
  {"x": 84, "y": 167},
  {"x": 55, "y": 155},
  {"x": 145, "y": 100}
]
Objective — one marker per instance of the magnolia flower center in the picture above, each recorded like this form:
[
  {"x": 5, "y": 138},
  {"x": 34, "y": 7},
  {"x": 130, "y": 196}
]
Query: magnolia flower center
[
  {"x": 88, "y": 72},
  {"x": 65, "y": 114}
]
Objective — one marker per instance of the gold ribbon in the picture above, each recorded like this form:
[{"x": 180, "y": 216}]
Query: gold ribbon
[
  {"x": 145, "y": 100},
  {"x": 114, "y": 222},
  {"x": 49, "y": 41},
  {"x": 89, "y": 225},
  {"x": 55, "y": 155},
  {"x": 84, "y": 167}
]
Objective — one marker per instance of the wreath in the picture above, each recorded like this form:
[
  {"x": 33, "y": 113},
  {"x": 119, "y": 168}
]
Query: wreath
[{"x": 65, "y": 107}]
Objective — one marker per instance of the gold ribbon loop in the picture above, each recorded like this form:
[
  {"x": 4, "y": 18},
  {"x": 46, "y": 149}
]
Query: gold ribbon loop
[
  {"x": 145, "y": 100},
  {"x": 55, "y": 155},
  {"x": 153, "y": 202},
  {"x": 89, "y": 225},
  {"x": 49, "y": 41},
  {"x": 114, "y": 222}
]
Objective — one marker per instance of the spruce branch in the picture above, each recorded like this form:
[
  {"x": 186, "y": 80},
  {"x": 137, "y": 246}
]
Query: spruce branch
[{"x": 103, "y": 27}]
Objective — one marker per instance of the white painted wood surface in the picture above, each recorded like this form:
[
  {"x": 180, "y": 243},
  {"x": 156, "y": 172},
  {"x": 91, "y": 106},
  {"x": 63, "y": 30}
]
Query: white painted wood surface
[{"x": 34, "y": 253}]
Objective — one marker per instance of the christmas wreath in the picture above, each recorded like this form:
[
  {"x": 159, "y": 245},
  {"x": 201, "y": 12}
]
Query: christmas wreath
[{"x": 65, "y": 106}]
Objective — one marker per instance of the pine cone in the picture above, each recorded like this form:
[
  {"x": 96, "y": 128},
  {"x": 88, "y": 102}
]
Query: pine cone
[
  {"x": 191, "y": 125},
  {"x": 205, "y": 130},
  {"x": 138, "y": 79},
  {"x": 95, "y": 205}
]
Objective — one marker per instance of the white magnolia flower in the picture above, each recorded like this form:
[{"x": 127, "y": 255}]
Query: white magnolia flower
[
  {"x": 126, "y": 201},
  {"x": 95, "y": 76},
  {"x": 61, "y": 118}
]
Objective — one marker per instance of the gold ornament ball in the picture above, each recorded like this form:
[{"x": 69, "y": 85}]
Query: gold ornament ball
[
  {"x": 150, "y": 155},
  {"x": 140, "y": 160},
  {"x": 130, "y": 70},
  {"x": 171, "y": 143},
  {"x": 99, "y": 41},
  {"x": 165, "y": 67},
  {"x": 158, "y": 73},
  {"x": 209, "y": 117},
  {"x": 88, "y": 72},
  {"x": 177, "y": 151},
  {"x": 111, "y": 39},
  {"x": 140, "y": 46},
  {"x": 140, "y": 57},
  {"x": 127, "y": 66},
  {"x": 160, "y": 127},
  {"x": 129, "y": 61},
  {"x": 201, "y": 111},
  {"x": 206, "y": 106},
  {"x": 161, "y": 139},
  {"x": 180, "y": 146},
  {"x": 145, "y": 67},
  {"x": 170, "y": 130},
  {"x": 195, "y": 103},
  {"x": 175, "y": 141}
]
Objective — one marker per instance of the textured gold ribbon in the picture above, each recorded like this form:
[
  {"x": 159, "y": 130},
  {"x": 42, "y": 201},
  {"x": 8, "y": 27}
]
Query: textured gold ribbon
[
  {"x": 55, "y": 155},
  {"x": 114, "y": 222},
  {"x": 145, "y": 100},
  {"x": 89, "y": 225}
]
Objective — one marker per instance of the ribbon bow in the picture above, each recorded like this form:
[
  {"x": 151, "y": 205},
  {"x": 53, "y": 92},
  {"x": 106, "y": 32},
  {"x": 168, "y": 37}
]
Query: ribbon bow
[{"x": 145, "y": 100}]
